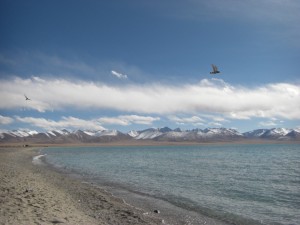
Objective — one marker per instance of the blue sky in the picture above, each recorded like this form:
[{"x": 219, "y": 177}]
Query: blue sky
[{"x": 136, "y": 64}]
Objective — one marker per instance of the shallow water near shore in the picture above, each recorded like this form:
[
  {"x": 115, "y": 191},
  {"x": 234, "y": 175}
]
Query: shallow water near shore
[{"x": 234, "y": 184}]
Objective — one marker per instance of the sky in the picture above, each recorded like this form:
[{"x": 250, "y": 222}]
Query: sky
[{"x": 131, "y": 65}]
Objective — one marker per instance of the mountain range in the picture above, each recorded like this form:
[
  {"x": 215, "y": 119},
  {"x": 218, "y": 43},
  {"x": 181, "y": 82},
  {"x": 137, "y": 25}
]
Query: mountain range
[{"x": 155, "y": 134}]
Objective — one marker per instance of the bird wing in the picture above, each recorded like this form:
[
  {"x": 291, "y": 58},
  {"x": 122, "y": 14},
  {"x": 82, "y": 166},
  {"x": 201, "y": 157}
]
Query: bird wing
[{"x": 215, "y": 68}]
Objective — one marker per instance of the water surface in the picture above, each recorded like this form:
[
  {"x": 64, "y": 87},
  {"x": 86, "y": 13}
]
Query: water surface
[{"x": 239, "y": 184}]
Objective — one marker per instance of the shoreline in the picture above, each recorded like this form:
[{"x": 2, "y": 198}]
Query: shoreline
[
  {"x": 169, "y": 211},
  {"x": 39, "y": 194},
  {"x": 35, "y": 192},
  {"x": 144, "y": 143}
]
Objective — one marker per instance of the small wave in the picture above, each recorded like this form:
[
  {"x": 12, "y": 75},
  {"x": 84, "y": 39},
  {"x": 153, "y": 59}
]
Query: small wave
[{"x": 37, "y": 159}]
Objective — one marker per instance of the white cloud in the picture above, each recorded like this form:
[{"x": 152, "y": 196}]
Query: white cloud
[
  {"x": 125, "y": 120},
  {"x": 119, "y": 75},
  {"x": 4, "y": 120},
  {"x": 215, "y": 118},
  {"x": 64, "y": 123},
  {"x": 215, "y": 124},
  {"x": 193, "y": 120},
  {"x": 186, "y": 120},
  {"x": 280, "y": 100},
  {"x": 269, "y": 123},
  {"x": 238, "y": 116},
  {"x": 114, "y": 120},
  {"x": 76, "y": 123}
]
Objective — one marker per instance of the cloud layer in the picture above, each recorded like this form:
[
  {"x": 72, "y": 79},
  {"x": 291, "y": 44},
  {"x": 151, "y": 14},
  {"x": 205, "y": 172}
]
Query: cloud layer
[
  {"x": 208, "y": 96},
  {"x": 77, "y": 123},
  {"x": 4, "y": 120},
  {"x": 64, "y": 123},
  {"x": 125, "y": 120}
]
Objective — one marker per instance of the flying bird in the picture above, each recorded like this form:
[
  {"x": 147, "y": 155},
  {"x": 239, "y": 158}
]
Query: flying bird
[
  {"x": 26, "y": 98},
  {"x": 215, "y": 69}
]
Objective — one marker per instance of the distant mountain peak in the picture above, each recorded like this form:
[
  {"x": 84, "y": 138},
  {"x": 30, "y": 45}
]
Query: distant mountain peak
[
  {"x": 156, "y": 134},
  {"x": 165, "y": 129}
]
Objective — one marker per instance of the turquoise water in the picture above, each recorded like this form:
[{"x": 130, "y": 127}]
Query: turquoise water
[{"x": 239, "y": 184}]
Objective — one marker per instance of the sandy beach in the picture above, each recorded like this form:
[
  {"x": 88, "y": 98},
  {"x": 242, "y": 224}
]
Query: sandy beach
[{"x": 36, "y": 194}]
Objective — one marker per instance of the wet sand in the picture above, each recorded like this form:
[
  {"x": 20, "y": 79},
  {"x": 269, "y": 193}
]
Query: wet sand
[{"x": 36, "y": 194}]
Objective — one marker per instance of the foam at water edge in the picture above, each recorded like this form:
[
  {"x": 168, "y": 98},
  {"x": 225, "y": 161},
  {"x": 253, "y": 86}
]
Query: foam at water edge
[{"x": 37, "y": 159}]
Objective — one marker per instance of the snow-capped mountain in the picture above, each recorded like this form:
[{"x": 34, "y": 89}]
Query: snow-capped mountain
[
  {"x": 274, "y": 133},
  {"x": 133, "y": 133},
  {"x": 255, "y": 133},
  {"x": 20, "y": 133},
  {"x": 62, "y": 136},
  {"x": 148, "y": 134},
  {"x": 16, "y": 135},
  {"x": 100, "y": 133},
  {"x": 155, "y": 134},
  {"x": 56, "y": 133},
  {"x": 208, "y": 134}
]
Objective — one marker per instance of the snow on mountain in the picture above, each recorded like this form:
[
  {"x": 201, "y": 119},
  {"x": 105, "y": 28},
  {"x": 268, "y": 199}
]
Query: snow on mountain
[
  {"x": 22, "y": 133},
  {"x": 279, "y": 131},
  {"x": 61, "y": 132},
  {"x": 274, "y": 133},
  {"x": 109, "y": 133},
  {"x": 157, "y": 134},
  {"x": 294, "y": 134},
  {"x": 101, "y": 133},
  {"x": 133, "y": 133},
  {"x": 56, "y": 133},
  {"x": 208, "y": 134},
  {"x": 17, "y": 134},
  {"x": 219, "y": 132},
  {"x": 90, "y": 133},
  {"x": 255, "y": 133},
  {"x": 93, "y": 133},
  {"x": 149, "y": 134},
  {"x": 153, "y": 133},
  {"x": 176, "y": 134},
  {"x": 50, "y": 133},
  {"x": 32, "y": 132}
]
